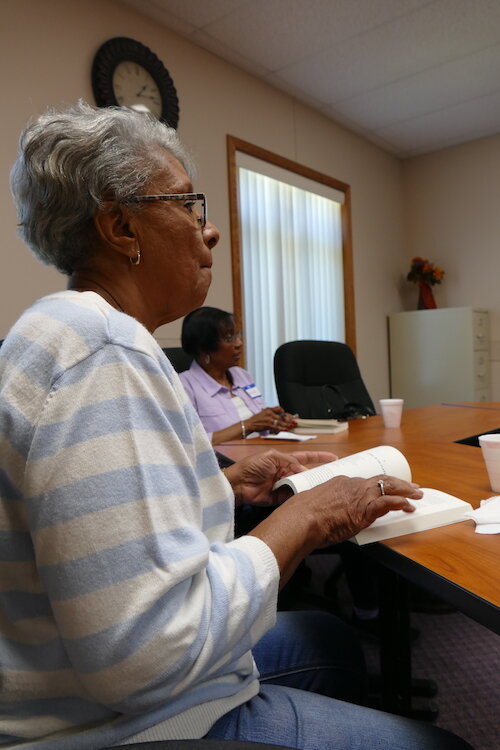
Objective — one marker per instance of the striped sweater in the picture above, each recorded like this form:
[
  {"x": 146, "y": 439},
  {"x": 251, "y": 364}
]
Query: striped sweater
[{"x": 125, "y": 602}]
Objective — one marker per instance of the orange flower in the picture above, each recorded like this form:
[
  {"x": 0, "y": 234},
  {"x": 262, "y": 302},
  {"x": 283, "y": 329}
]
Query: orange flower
[{"x": 422, "y": 270}]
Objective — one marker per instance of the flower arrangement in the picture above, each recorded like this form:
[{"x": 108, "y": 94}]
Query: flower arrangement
[{"x": 422, "y": 270}]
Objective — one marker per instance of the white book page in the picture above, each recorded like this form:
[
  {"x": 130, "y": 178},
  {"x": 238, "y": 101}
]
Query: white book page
[
  {"x": 434, "y": 509},
  {"x": 288, "y": 436},
  {"x": 433, "y": 501},
  {"x": 384, "y": 459},
  {"x": 317, "y": 422}
]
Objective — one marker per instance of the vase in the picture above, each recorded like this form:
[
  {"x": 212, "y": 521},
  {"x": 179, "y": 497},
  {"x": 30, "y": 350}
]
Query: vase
[{"x": 426, "y": 299}]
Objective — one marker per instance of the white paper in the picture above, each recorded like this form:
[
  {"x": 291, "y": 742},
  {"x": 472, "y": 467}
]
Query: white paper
[
  {"x": 289, "y": 436},
  {"x": 487, "y": 516}
]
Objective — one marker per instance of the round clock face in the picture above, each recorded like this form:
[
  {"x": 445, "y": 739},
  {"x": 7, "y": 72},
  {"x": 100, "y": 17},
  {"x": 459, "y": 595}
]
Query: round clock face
[
  {"x": 126, "y": 73},
  {"x": 134, "y": 87}
]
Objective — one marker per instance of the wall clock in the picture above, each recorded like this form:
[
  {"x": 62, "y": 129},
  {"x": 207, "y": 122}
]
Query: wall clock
[{"x": 126, "y": 73}]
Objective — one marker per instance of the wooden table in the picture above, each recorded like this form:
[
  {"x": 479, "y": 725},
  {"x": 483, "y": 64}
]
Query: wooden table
[{"x": 452, "y": 562}]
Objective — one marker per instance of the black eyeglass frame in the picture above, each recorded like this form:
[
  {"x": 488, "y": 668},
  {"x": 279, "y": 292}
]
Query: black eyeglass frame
[{"x": 202, "y": 220}]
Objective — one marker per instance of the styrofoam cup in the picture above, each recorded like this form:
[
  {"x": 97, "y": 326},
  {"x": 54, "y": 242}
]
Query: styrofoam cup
[
  {"x": 392, "y": 410},
  {"x": 490, "y": 447}
]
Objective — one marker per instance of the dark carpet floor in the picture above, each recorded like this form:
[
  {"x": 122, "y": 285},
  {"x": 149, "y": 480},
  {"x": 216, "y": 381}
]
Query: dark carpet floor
[
  {"x": 463, "y": 657},
  {"x": 460, "y": 655}
]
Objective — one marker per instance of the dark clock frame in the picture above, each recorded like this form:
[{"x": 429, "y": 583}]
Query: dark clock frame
[{"x": 121, "y": 49}]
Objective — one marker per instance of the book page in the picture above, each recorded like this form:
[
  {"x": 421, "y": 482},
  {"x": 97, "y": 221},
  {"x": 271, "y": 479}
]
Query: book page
[
  {"x": 328, "y": 428},
  {"x": 384, "y": 459},
  {"x": 432, "y": 502},
  {"x": 283, "y": 435},
  {"x": 435, "y": 509},
  {"x": 317, "y": 422}
]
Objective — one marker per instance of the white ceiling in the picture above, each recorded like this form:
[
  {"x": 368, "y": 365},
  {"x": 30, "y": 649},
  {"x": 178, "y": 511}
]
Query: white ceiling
[{"x": 412, "y": 76}]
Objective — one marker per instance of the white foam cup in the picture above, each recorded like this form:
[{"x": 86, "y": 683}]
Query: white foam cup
[
  {"x": 490, "y": 447},
  {"x": 392, "y": 410}
]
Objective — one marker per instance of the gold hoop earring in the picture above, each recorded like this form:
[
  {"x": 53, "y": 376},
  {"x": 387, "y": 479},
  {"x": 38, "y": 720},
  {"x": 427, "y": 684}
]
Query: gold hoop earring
[{"x": 137, "y": 260}]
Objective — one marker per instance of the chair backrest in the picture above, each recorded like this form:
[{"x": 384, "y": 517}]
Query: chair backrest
[
  {"x": 178, "y": 357},
  {"x": 319, "y": 380}
]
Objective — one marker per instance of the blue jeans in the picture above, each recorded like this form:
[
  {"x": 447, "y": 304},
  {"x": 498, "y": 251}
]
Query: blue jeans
[{"x": 310, "y": 666}]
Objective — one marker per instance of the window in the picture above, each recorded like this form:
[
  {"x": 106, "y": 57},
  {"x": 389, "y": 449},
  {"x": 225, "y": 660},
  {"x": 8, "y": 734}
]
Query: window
[{"x": 292, "y": 274}]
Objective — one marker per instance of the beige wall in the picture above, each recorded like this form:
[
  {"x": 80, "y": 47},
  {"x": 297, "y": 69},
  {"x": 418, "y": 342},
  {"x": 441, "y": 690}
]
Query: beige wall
[
  {"x": 452, "y": 216},
  {"x": 47, "y": 48}
]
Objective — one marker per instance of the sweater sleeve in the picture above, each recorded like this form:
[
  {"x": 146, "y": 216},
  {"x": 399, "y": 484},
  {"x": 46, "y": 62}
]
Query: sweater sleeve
[{"x": 131, "y": 522}]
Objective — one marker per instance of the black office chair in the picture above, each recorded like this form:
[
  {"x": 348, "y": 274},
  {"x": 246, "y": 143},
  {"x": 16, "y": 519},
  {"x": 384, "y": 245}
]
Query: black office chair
[
  {"x": 320, "y": 380},
  {"x": 178, "y": 357}
]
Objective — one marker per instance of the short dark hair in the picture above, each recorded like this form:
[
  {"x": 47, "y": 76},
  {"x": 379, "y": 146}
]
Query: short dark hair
[{"x": 201, "y": 329}]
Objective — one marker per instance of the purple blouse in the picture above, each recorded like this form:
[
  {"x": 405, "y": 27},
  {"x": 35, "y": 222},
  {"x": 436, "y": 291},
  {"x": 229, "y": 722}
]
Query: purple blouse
[{"x": 213, "y": 401}]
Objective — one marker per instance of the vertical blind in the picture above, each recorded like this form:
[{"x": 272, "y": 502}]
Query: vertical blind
[{"x": 291, "y": 243}]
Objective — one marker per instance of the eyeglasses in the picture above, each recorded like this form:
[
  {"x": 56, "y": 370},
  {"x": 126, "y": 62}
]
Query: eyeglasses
[
  {"x": 196, "y": 203},
  {"x": 231, "y": 337}
]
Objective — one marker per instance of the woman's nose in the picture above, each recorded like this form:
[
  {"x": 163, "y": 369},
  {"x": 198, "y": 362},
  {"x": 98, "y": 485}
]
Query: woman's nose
[{"x": 211, "y": 235}]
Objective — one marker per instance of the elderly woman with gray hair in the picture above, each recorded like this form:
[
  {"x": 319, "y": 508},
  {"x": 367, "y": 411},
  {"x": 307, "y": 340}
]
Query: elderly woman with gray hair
[{"x": 129, "y": 611}]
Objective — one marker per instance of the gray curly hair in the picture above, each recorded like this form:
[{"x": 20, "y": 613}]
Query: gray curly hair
[{"x": 70, "y": 162}]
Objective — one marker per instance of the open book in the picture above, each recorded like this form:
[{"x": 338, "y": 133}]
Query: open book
[
  {"x": 319, "y": 426},
  {"x": 434, "y": 509}
]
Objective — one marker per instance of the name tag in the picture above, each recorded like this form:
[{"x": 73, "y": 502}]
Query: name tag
[{"x": 252, "y": 390}]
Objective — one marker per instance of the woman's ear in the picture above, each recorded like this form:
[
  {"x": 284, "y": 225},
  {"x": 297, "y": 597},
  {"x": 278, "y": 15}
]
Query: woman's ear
[{"x": 114, "y": 227}]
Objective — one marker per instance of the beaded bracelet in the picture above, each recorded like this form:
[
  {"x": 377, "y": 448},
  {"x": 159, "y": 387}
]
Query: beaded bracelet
[{"x": 243, "y": 430}]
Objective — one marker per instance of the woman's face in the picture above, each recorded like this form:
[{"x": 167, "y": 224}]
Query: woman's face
[
  {"x": 176, "y": 253},
  {"x": 229, "y": 347}
]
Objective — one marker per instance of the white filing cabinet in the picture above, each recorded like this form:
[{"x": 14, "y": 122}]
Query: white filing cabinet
[{"x": 440, "y": 355}]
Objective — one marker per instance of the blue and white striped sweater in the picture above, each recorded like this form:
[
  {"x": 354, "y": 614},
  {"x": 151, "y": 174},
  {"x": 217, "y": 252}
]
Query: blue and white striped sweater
[{"x": 124, "y": 600}]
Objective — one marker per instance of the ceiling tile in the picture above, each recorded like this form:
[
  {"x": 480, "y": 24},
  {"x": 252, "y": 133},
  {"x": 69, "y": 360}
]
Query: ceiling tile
[
  {"x": 464, "y": 122},
  {"x": 280, "y": 32},
  {"x": 196, "y": 13},
  {"x": 230, "y": 54},
  {"x": 396, "y": 50},
  {"x": 432, "y": 90},
  {"x": 409, "y": 75},
  {"x": 151, "y": 9}
]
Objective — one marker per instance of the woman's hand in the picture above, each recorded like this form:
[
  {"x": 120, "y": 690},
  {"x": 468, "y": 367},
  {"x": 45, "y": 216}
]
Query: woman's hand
[
  {"x": 329, "y": 513},
  {"x": 272, "y": 418},
  {"x": 343, "y": 506},
  {"x": 252, "y": 478}
]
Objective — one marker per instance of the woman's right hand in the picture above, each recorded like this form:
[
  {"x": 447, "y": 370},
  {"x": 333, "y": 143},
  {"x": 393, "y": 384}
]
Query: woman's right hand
[
  {"x": 272, "y": 418},
  {"x": 343, "y": 506},
  {"x": 329, "y": 513}
]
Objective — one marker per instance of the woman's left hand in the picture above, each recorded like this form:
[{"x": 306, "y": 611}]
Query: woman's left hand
[{"x": 252, "y": 478}]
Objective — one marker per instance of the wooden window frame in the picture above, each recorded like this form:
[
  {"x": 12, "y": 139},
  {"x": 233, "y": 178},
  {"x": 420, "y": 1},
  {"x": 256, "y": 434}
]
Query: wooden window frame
[{"x": 236, "y": 144}]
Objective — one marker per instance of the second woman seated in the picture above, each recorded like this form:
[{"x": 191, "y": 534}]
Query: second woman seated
[{"x": 225, "y": 396}]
